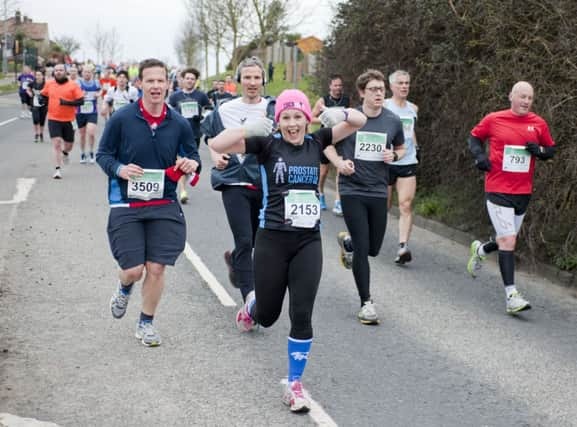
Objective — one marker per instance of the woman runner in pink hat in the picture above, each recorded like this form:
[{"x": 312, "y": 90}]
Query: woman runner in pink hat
[{"x": 288, "y": 252}]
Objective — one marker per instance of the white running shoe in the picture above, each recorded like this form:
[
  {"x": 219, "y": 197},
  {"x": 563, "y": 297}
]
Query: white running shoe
[
  {"x": 368, "y": 314},
  {"x": 516, "y": 303},
  {"x": 346, "y": 255},
  {"x": 295, "y": 398},
  {"x": 119, "y": 302},
  {"x": 244, "y": 322},
  {"x": 475, "y": 260},
  {"x": 82, "y": 158},
  {"x": 147, "y": 334},
  {"x": 91, "y": 158},
  {"x": 337, "y": 208},
  {"x": 57, "y": 174}
]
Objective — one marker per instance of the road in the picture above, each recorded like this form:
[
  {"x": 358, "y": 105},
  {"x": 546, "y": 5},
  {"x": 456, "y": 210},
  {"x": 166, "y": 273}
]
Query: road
[{"x": 445, "y": 353}]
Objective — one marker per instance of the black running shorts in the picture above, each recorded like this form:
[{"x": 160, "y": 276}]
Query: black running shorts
[{"x": 62, "y": 130}]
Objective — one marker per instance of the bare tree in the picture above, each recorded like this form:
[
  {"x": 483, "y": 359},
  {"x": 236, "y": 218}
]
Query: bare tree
[
  {"x": 113, "y": 47},
  {"x": 188, "y": 46},
  {"x": 235, "y": 18},
  {"x": 98, "y": 41},
  {"x": 198, "y": 16},
  {"x": 68, "y": 44},
  {"x": 271, "y": 18}
]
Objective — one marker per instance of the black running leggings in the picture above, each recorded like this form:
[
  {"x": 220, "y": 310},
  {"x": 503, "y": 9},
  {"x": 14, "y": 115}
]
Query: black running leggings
[
  {"x": 366, "y": 219},
  {"x": 287, "y": 259},
  {"x": 242, "y": 206}
]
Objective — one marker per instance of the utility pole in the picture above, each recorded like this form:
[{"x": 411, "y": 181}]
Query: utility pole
[{"x": 5, "y": 43}]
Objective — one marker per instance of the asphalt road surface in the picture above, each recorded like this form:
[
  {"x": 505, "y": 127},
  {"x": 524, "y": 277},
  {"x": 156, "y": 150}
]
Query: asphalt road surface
[{"x": 445, "y": 353}]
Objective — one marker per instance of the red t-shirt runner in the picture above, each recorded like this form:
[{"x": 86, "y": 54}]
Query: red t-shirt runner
[{"x": 512, "y": 167}]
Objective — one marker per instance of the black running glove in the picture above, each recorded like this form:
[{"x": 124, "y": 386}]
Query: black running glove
[{"x": 541, "y": 152}]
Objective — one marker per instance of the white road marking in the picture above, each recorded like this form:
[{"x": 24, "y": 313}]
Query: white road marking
[
  {"x": 317, "y": 413},
  {"x": 9, "y": 420},
  {"x": 213, "y": 283},
  {"x": 23, "y": 187},
  {"x": 5, "y": 122}
]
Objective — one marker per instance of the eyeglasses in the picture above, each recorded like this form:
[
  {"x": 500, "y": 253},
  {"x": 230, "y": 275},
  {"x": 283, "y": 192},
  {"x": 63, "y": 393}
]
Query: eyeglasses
[{"x": 376, "y": 89}]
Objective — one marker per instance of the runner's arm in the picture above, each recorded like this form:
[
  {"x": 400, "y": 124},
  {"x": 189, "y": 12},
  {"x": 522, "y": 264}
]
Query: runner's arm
[
  {"x": 76, "y": 103},
  {"x": 354, "y": 120}
]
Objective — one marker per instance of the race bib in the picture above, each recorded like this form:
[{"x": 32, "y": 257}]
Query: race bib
[
  {"x": 118, "y": 103},
  {"x": 36, "y": 101},
  {"x": 302, "y": 208},
  {"x": 149, "y": 186},
  {"x": 516, "y": 159},
  {"x": 25, "y": 84},
  {"x": 189, "y": 109},
  {"x": 408, "y": 126},
  {"x": 87, "y": 107},
  {"x": 370, "y": 146}
]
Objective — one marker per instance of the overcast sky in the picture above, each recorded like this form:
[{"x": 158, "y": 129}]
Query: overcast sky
[{"x": 145, "y": 30}]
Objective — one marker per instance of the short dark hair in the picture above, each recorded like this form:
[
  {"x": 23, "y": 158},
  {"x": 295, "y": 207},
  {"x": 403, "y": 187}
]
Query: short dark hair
[
  {"x": 335, "y": 77},
  {"x": 122, "y": 73},
  {"x": 190, "y": 71},
  {"x": 367, "y": 76},
  {"x": 151, "y": 63}
]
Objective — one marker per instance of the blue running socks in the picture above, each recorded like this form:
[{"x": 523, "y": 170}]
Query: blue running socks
[{"x": 298, "y": 354}]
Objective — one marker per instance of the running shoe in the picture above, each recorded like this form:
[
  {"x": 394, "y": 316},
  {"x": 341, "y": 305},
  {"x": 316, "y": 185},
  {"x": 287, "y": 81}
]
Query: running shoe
[
  {"x": 92, "y": 159},
  {"x": 118, "y": 303},
  {"x": 82, "y": 158},
  {"x": 403, "y": 256},
  {"x": 36, "y": 138},
  {"x": 337, "y": 208},
  {"x": 368, "y": 314},
  {"x": 57, "y": 174},
  {"x": 295, "y": 398},
  {"x": 323, "y": 202},
  {"x": 475, "y": 260},
  {"x": 41, "y": 138},
  {"x": 183, "y": 197},
  {"x": 346, "y": 255},
  {"x": 516, "y": 303},
  {"x": 228, "y": 262},
  {"x": 147, "y": 334},
  {"x": 244, "y": 322}
]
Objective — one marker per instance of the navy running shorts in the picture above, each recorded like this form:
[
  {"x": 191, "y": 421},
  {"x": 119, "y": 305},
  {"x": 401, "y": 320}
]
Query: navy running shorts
[
  {"x": 83, "y": 119},
  {"x": 149, "y": 233}
]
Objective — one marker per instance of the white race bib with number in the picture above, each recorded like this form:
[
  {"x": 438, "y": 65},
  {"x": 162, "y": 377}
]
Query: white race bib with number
[
  {"x": 25, "y": 84},
  {"x": 36, "y": 101},
  {"x": 119, "y": 103},
  {"x": 370, "y": 146},
  {"x": 147, "y": 187},
  {"x": 87, "y": 107},
  {"x": 516, "y": 159},
  {"x": 302, "y": 208},
  {"x": 408, "y": 126},
  {"x": 189, "y": 109}
]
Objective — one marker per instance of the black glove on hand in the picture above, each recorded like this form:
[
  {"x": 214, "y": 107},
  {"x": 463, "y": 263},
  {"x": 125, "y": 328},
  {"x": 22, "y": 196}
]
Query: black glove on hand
[
  {"x": 483, "y": 163},
  {"x": 533, "y": 148}
]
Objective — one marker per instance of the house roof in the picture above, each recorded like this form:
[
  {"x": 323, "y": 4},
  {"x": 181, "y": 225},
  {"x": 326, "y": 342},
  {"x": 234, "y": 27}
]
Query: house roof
[
  {"x": 32, "y": 30},
  {"x": 310, "y": 44}
]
